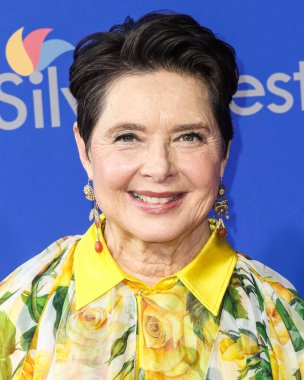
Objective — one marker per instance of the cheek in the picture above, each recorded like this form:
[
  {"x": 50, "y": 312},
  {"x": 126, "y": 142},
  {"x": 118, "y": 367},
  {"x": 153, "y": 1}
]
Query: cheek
[
  {"x": 113, "y": 170},
  {"x": 203, "y": 171}
]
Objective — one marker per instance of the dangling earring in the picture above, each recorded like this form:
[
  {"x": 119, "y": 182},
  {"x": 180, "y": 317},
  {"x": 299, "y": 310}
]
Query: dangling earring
[
  {"x": 220, "y": 207},
  {"x": 94, "y": 214}
]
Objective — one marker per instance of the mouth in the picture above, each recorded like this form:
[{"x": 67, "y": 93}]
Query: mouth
[{"x": 156, "y": 198}]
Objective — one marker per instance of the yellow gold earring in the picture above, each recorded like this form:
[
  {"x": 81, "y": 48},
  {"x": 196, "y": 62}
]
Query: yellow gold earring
[
  {"x": 220, "y": 208},
  {"x": 94, "y": 214}
]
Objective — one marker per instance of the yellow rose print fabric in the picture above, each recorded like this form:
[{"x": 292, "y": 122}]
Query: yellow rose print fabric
[{"x": 122, "y": 329}]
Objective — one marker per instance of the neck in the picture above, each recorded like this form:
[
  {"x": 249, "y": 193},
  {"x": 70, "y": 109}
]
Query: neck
[{"x": 150, "y": 262}]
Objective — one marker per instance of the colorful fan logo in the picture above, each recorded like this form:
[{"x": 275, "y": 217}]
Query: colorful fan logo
[{"x": 33, "y": 53}]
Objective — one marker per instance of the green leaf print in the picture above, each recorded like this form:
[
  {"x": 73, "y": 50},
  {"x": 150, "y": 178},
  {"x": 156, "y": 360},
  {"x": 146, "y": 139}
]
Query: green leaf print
[
  {"x": 35, "y": 304},
  {"x": 244, "y": 372},
  {"x": 258, "y": 294},
  {"x": 7, "y": 346},
  {"x": 296, "y": 339},
  {"x": 5, "y": 369},
  {"x": 252, "y": 287},
  {"x": 253, "y": 365},
  {"x": 233, "y": 303},
  {"x": 125, "y": 369},
  {"x": 58, "y": 302},
  {"x": 7, "y": 336},
  {"x": 261, "y": 328},
  {"x": 26, "y": 338},
  {"x": 5, "y": 297},
  {"x": 249, "y": 333},
  {"x": 266, "y": 369},
  {"x": 234, "y": 335},
  {"x": 199, "y": 315},
  {"x": 119, "y": 345},
  {"x": 297, "y": 375},
  {"x": 261, "y": 376},
  {"x": 298, "y": 305}
]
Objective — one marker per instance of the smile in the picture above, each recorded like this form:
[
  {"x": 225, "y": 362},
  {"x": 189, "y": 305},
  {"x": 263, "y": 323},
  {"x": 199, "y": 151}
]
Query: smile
[{"x": 156, "y": 200}]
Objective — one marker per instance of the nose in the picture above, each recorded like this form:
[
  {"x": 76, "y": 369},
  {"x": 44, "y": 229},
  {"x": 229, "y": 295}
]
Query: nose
[{"x": 158, "y": 163}]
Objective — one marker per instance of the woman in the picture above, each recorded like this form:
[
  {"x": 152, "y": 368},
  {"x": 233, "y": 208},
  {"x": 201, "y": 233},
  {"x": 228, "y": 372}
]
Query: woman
[{"x": 152, "y": 290}]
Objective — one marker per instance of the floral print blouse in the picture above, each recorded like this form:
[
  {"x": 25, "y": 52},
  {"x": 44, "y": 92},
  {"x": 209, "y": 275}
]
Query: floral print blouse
[{"x": 71, "y": 313}]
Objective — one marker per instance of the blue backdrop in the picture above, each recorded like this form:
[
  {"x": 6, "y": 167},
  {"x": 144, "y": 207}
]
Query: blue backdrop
[{"x": 42, "y": 179}]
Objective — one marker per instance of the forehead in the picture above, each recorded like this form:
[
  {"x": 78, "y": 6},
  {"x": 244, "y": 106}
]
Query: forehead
[{"x": 160, "y": 96}]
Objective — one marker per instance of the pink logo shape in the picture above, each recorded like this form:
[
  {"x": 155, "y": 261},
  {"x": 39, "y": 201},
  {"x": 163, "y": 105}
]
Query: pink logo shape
[{"x": 33, "y": 53}]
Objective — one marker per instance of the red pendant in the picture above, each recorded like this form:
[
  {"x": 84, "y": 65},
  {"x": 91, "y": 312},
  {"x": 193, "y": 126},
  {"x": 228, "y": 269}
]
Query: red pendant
[
  {"x": 222, "y": 232},
  {"x": 98, "y": 246}
]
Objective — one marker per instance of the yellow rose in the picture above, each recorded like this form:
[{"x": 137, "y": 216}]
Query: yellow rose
[
  {"x": 250, "y": 346},
  {"x": 93, "y": 318},
  {"x": 87, "y": 330},
  {"x": 167, "y": 349},
  {"x": 272, "y": 312},
  {"x": 282, "y": 290},
  {"x": 26, "y": 371},
  {"x": 84, "y": 335},
  {"x": 42, "y": 363},
  {"x": 88, "y": 327},
  {"x": 278, "y": 329},
  {"x": 282, "y": 355},
  {"x": 157, "y": 331},
  {"x": 231, "y": 350},
  {"x": 209, "y": 332},
  {"x": 237, "y": 350},
  {"x": 279, "y": 352}
]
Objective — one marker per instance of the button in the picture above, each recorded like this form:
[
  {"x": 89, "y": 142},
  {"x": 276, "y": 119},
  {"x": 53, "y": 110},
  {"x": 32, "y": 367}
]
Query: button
[{"x": 139, "y": 293}]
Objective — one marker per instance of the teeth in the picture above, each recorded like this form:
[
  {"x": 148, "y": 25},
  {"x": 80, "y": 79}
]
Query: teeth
[{"x": 155, "y": 200}]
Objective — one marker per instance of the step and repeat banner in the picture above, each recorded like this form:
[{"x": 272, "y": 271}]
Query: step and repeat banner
[{"x": 41, "y": 176}]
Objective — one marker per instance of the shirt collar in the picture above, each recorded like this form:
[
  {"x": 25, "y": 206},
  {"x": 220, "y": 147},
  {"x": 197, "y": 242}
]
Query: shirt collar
[{"x": 207, "y": 276}]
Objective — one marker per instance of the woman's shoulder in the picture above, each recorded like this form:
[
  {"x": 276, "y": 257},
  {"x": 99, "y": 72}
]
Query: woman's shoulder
[
  {"x": 261, "y": 324},
  {"x": 47, "y": 264},
  {"x": 271, "y": 290},
  {"x": 263, "y": 272},
  {"x": 43, "y": 282}
]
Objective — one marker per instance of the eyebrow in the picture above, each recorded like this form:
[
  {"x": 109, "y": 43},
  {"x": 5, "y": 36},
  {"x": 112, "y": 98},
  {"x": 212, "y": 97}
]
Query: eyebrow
[{"x": 139, "y": 127}]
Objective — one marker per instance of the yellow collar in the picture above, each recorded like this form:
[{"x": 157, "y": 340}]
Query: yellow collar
[{"x": 206, "y": 276}]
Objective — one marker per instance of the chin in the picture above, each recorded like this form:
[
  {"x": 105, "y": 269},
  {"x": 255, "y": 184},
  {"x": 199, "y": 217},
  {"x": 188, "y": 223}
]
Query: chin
[
  {"x": 158, "y": 235},
  {"x": 157, "y": 238}
]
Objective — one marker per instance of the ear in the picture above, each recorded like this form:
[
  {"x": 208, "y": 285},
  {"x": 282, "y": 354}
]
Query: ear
[
  {"x": 225, "y": 160},
  {"x": 86, "y": 163}
]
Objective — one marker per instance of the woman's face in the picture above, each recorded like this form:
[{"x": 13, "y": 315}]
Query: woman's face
[{"x": 155, "y": 156}]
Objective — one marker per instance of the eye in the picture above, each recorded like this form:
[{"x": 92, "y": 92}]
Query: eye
[
  {"x": 191, "y": 137},
  {"x": 126, "y": 137}
]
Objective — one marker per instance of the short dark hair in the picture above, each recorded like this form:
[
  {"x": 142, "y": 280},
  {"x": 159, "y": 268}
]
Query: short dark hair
[{"x": 158, "y": 40}]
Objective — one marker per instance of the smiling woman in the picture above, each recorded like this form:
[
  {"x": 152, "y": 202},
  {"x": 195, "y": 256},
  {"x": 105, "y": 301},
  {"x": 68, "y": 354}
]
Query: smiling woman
[
  {"x": 152, "y": 290},
  {"x": 164, "y": 147}
]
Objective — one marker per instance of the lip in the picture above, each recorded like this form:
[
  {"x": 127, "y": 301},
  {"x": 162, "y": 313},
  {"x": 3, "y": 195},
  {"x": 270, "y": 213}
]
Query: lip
[
  {"x": 154, "y": 194},
  {"x": 157, "y": 208}
]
